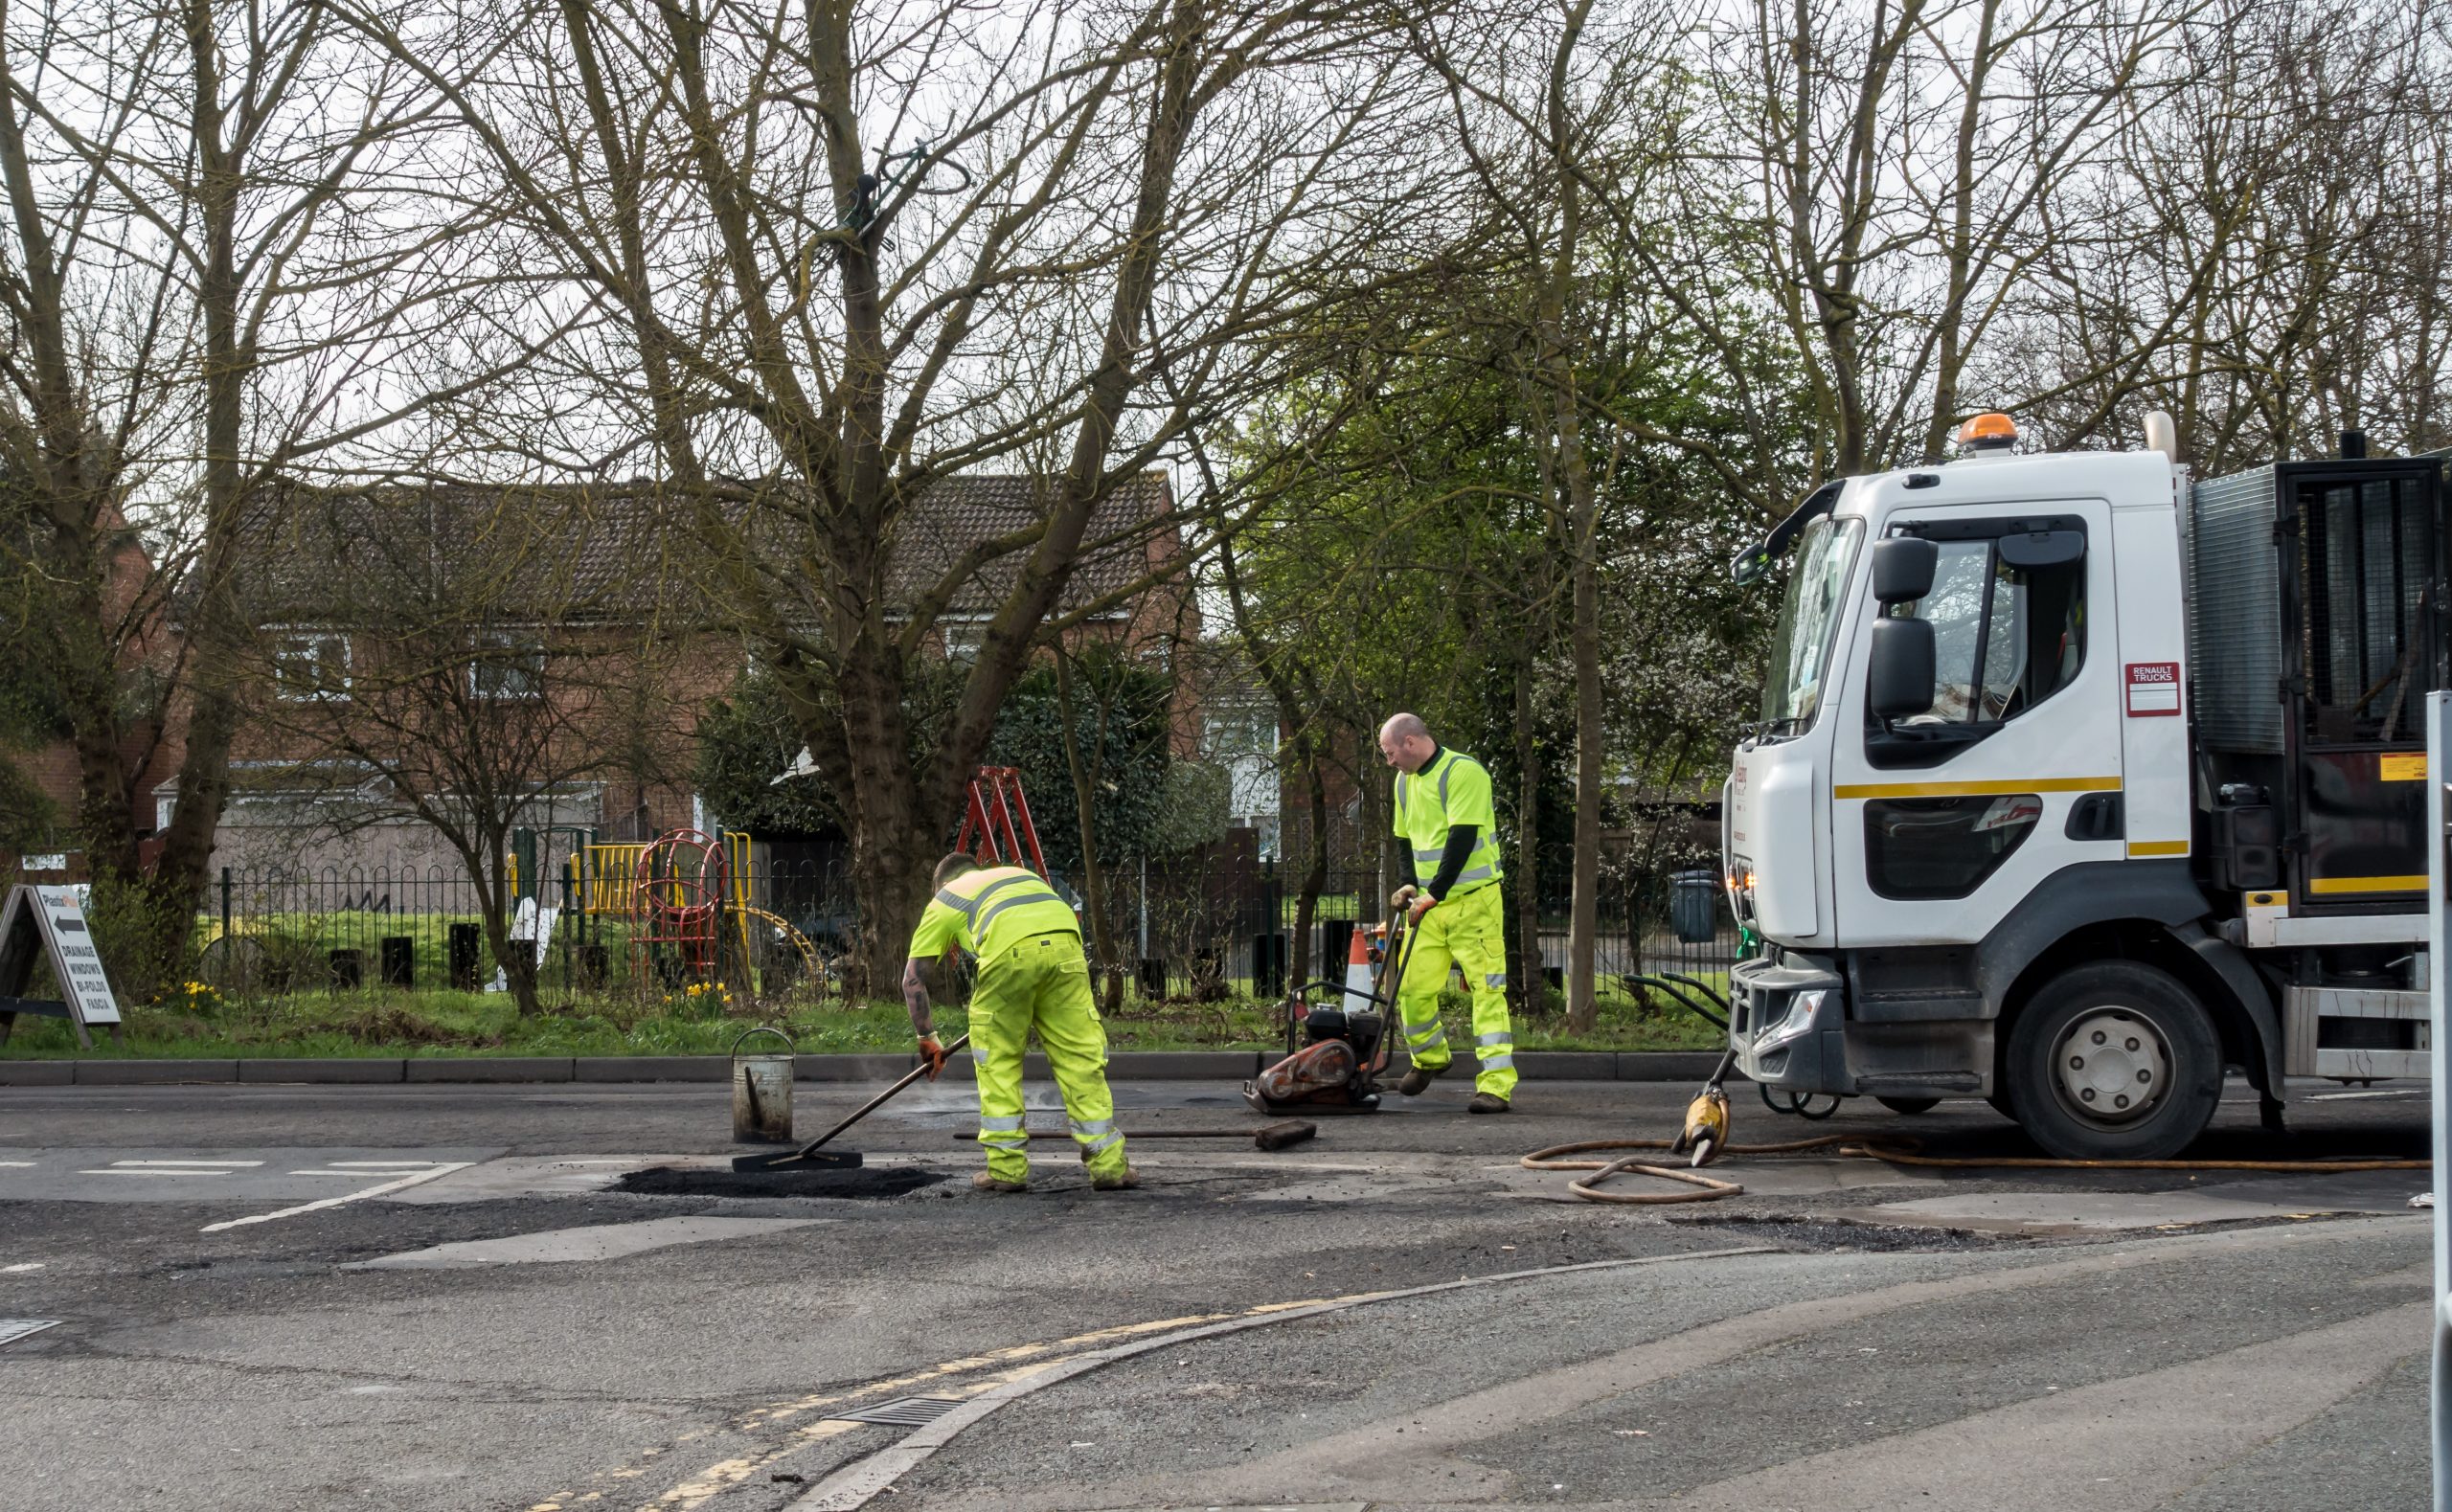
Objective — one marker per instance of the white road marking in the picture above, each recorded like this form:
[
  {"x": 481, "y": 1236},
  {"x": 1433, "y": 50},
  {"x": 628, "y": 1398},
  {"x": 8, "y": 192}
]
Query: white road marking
[
  {"x": 322, "y": 1203},
  {"x": 379, "y": 1165},
  {"x": 18, "y": 1165},
  {"x": 187, "y": 1165},
  {"x": 21, "y": 1268},
  {"x": 594, "y": 1242},
  {"x": 2345, "y": 1097},
  {"x": 115, "y": 1171}
]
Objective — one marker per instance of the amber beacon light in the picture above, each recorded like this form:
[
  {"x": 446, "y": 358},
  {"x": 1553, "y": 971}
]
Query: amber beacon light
[{"x": 1989, "y": 432}]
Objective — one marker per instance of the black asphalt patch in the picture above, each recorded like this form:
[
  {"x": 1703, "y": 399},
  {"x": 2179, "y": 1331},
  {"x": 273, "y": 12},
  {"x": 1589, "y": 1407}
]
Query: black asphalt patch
[
  {"x": 1795, "y": 1232},
  {"x": 683, "y": 1180}
]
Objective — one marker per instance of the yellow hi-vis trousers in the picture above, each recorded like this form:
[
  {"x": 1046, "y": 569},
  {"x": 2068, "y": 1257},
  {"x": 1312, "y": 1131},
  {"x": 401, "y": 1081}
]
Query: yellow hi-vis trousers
[
  {"x": 1042, "y": 984},
  {"x": 1470, "y": 931}
]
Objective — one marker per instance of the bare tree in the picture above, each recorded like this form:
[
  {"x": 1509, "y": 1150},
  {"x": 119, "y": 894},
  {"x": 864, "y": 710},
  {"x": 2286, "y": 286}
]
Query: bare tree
[
  {"x": 857, "y": 249},
  {"x": 1904, "y": 156},
  {"x": 1559, "y": 154},
  {"x": 2266, "y": 258},
  {"x": 198, "y": 292}
]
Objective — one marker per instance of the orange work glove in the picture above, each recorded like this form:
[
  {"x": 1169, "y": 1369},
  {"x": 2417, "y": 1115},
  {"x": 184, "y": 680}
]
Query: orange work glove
[{"x": 933, "y": 1051}]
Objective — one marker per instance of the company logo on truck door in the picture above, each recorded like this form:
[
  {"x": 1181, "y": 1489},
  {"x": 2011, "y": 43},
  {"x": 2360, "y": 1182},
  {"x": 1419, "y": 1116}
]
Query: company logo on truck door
[{"x": 2153, "y": 689}]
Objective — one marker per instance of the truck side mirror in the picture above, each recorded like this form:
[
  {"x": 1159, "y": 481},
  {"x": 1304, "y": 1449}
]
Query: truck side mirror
[
  {"x": 1903, "y": 569},
  {"x": 1899, "y": 682}
]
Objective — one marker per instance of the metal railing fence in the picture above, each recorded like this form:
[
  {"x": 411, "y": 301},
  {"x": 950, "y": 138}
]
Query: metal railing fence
[{"x": 1200, "y": 927}]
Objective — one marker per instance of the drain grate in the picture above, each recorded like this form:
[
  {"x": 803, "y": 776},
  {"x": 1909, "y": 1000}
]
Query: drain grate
[
  {"x": 13, "y": 1329},
  {"x": 903, "y": 1411}
]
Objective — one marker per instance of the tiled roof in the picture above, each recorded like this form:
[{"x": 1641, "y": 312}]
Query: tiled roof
[
  {"x": 601, "y": 552},
  {"x": 959, "y": 512}
]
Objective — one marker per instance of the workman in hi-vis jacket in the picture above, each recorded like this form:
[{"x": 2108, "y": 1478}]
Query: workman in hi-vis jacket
[
  {"x": 1032, "y": 976},
  {"x": 1446, "y": 822}
]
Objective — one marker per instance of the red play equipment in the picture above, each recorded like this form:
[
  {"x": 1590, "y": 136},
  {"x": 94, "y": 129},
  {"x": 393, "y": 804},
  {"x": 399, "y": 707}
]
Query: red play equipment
[
  {"x": 676, "y": 887},
  {"x": 997, "y": 828}
]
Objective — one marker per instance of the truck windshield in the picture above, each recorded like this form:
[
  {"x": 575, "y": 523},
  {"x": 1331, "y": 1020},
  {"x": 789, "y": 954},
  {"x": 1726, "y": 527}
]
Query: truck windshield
[{"x": 1801, "y": 644}]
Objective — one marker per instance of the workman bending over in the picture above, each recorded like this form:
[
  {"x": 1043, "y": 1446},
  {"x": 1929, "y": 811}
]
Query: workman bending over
[
  {"x": 1444, "y": 817},
  {"x": 1032, "y": 975}
]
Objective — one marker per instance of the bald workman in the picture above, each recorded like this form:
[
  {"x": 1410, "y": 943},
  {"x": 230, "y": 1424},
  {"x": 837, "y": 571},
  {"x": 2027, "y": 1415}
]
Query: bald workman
[{"x": 1447, "y": 822}]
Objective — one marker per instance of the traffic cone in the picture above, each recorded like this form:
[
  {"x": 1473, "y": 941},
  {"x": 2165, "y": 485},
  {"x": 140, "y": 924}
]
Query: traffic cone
[{"x": 1357, "y": 973}]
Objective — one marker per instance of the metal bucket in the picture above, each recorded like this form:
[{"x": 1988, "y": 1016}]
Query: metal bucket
[{"x": 762, "y": 1092}]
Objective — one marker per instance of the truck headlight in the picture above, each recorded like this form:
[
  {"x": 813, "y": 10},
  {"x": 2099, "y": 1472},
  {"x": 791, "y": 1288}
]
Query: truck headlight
[{"x": 1799, "y": 1021}]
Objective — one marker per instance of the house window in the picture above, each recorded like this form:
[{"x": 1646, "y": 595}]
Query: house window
[
  {"x": 309, "y": 664},
  {"x": 963, "y": 639},
  {"x": 507, "y": 665}
]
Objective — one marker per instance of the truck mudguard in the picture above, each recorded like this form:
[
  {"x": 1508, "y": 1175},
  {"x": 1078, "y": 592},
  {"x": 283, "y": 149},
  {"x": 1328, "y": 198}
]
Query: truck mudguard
[{"x": 2159, "y": 891}]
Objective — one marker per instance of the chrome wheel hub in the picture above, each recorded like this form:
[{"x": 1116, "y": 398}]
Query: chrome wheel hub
[{"x": 2111, "y": 1066}]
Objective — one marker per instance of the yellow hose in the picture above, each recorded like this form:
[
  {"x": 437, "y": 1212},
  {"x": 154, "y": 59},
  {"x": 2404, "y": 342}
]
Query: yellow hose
[{"x": 1900, "y": 1154}]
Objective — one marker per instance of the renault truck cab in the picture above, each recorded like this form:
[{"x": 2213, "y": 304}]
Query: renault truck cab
[{"x": 2077, "y": 783}]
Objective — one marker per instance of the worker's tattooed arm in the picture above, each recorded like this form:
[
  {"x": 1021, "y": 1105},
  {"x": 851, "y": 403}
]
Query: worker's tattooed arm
[{"x": 915, "y": 996}]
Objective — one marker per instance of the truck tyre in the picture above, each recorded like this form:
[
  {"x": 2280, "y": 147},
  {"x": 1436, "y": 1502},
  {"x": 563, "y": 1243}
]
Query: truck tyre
[
  {"x": 2114, "y": 1061},
  {"x": 1909, "y": 1104}
]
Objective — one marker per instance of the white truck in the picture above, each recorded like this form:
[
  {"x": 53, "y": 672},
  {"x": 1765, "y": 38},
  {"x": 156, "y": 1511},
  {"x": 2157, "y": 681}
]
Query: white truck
[{"x": 2079, "y": 782}]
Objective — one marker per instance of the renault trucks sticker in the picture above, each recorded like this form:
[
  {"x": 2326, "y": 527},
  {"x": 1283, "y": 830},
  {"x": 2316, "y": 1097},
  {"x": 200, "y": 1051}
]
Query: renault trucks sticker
[{"x": 2153, "y": 689}]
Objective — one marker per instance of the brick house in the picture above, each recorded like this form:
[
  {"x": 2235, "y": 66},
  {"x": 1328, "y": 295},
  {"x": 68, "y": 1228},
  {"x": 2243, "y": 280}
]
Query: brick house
[
  {"x": 542, "y": 598},
  {"x": 151, "y": 751}
]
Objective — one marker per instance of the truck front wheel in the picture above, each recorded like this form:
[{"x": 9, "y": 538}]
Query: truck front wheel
[{"x": 2114, "y": 1061}]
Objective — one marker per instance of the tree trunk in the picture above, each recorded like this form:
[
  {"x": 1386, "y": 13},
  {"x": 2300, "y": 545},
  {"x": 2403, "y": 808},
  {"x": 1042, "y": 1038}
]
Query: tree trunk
[
  {"x": 219, "y": 627},
  {"x": 1315, "y": 876},
  {"x": 516, "y": 958},
  {"x": 891, "y": 833},
  {"x": 1584, "y": 914},
  {"x": 1085, "y": 792},
  {"x": 1525, "y": 971}
]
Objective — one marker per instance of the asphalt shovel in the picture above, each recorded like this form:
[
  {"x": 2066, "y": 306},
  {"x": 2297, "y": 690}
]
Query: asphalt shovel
[{"x": 812, "y": 1155}]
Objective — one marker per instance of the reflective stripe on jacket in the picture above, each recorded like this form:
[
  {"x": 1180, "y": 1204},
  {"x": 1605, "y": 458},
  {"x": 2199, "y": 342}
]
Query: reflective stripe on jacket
[
  {"x": 990, "y": 910},
  {"x": 1453, "y": 789}
]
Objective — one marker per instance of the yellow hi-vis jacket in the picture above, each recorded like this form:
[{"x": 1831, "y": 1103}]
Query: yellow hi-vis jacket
[
  {"x": 989, "y": 912},
  {"x": 1452, "y": 789}
]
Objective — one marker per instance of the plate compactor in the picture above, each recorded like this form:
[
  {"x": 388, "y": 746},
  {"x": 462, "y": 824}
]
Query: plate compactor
[{"x": 1335, "y": 1054}]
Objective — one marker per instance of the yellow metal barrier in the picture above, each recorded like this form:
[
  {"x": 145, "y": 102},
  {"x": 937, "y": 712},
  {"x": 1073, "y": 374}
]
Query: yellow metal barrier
[{"x": 611, "y": 872}]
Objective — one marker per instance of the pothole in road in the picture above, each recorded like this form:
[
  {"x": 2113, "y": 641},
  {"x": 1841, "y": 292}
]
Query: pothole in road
[
  {"x": 1795, "y": 1232},
  {"x": 682, "y": 1181}
]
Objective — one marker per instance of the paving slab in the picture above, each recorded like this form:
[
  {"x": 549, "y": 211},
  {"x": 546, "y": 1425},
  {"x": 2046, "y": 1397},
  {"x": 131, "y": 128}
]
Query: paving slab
[
  {"x": 609, "y": 1241},
  {"x": 353, "y": 1070}
]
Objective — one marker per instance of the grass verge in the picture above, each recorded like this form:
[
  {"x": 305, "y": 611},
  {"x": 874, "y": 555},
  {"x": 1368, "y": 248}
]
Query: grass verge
[{"x": 202, "y": 1024}]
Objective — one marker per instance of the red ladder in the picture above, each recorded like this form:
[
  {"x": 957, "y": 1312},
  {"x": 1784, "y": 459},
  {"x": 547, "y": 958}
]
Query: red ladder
[{"x": 997, "y": 828}]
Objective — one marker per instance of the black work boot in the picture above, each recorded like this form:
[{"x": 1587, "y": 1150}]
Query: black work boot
[
  {"x": 1487, "y": 1102},
  {"x": 1418, "y": 1080}
]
